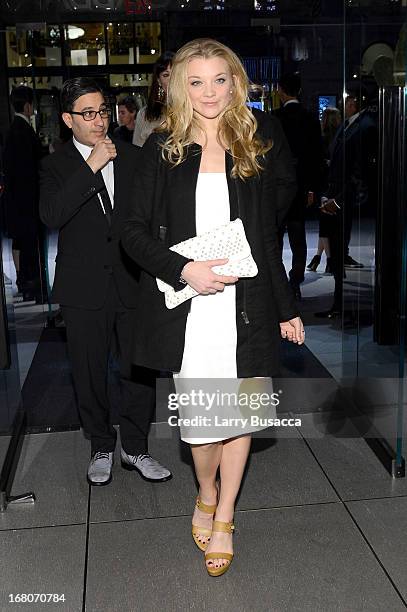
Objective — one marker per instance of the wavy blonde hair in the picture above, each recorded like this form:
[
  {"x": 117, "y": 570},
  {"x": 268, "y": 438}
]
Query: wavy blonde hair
[{"x": 237, "y": 125}]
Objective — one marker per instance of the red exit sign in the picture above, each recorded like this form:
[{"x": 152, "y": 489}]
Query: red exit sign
[{"x": 138, "y": 7}]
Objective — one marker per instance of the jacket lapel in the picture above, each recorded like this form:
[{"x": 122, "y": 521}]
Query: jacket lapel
[{"x": 76, "y": 158}]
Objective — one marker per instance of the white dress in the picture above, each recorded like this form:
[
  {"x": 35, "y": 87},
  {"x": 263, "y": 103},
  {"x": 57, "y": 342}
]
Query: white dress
[{"x": 211, "y": 333}]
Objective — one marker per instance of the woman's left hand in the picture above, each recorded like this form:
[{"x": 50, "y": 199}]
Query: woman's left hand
[{"x": 293, "y": 330}]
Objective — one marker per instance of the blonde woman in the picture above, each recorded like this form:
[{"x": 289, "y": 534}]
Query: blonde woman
[{"x": 206, "y": 167}]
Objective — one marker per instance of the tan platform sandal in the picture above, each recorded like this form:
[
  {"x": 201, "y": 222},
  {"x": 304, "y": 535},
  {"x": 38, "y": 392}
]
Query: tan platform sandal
[
  {"x": 202, "y": 531},
  {"x": 218, "y": 571}
]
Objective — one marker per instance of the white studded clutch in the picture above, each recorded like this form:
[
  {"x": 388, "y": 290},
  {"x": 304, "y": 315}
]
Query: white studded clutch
[{"x": 225, "y": 242}]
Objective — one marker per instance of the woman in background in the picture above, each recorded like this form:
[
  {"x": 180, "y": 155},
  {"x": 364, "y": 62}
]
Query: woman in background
[{"x": 152, "y": 116}]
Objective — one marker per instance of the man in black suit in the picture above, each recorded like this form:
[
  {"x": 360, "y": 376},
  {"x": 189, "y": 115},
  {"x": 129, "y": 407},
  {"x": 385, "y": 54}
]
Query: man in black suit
[
  {"x": 351, "y": 183},
  {"x": 303, "y": 132},
  {"x": 86, "y": 191},
  {"x": 22, "y": 154}
]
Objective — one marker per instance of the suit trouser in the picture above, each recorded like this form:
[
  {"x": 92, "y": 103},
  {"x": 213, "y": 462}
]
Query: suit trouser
[
  {"x": 298, "y": 243},
  {"x": 90, "y": 334}
]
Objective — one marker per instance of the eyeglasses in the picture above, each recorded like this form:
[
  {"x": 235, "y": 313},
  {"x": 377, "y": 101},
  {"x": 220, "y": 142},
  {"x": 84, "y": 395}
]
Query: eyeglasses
[{"x": 90, "y": 115}]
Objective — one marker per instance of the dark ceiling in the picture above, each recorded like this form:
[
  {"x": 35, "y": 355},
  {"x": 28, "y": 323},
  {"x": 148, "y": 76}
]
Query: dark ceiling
[{"x": 12, "y": 11}]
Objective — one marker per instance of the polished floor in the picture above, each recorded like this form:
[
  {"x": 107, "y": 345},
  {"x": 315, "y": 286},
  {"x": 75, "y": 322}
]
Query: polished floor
[{"x": 320, "y": 525}]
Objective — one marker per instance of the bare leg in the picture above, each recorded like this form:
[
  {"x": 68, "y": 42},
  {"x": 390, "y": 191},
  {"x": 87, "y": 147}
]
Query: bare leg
[
  {"x": 320, "y": 248},
  {"x": 232, "y": 465},
  {"x": 325, "y": 242},
  {"x": 207, "y": 458}
]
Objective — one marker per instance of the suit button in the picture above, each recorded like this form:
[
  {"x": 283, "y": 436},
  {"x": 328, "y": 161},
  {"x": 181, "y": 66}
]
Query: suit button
[{"x": 109, "y": 239}]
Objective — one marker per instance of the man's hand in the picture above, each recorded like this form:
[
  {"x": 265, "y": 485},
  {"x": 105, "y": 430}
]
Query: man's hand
[
  {"x": 199, "y": 275},
  {"x": 101, "y": 155},
  {"x": 330, "y": 207}
]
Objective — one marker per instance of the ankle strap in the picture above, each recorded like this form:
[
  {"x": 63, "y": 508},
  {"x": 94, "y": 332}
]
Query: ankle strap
[
  {"x": 221, "y": 526},
  {"x": 205, "y": 507}
]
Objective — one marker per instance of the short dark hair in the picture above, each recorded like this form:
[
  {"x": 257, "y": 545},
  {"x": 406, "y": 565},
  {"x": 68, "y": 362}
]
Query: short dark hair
[
  {"x": 20, "y": 96},
  {"x": 291, "y": 84},
  {"x": 358, "y": 92},
  {"x": 73, "y": 89},
  {"x": 129, "y": 103}
]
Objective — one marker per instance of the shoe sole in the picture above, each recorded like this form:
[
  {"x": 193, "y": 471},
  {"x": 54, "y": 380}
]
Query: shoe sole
[
  {"x": 131, "y": 468},
  {"x": 99, "y": 484}
]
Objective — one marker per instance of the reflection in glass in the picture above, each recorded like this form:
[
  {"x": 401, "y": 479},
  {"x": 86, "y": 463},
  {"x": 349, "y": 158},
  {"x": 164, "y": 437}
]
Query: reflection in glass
[
  {"x": 121, "y": 43},
  {"x": 48, "y": 112},
  {"x": 131, "y": 80},
  {"x": 47, "y": 46},
  {"x": 18, "y": 48},
  {"x": 148, "y": 42},
  {"x": 85, "y": 44}
]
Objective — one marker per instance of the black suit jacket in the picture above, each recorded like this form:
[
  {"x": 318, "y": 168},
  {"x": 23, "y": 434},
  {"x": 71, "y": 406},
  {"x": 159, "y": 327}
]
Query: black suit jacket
[
  {"x": 89, "y": 249},
  {"x": 303, "y": 132},
  {"x": 352, "y": 169},
  {"x": 22, "y": 154},
  {"x": 165, "y": 196}
]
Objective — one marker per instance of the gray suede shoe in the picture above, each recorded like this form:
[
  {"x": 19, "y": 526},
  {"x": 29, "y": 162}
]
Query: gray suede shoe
[
  {"x": 147, "y": 467},
  {"x": 100, "y": 469}
]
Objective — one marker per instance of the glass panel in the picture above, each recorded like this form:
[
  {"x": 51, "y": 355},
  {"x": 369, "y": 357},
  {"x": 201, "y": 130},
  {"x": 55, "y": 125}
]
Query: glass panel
[
  {"x": 148, "y": 42},
  {"x": 48, "y": 110},
  {"x": 47, "y": 46},
  {"x": 131, "y": 80},
  {"x": 85, "y": 44},
  {"x": 9, "y": 367},
  {"x": 121, "y": 43},
  {"x": 374, "y": 293},
  {"x": 18, "y": 48}
]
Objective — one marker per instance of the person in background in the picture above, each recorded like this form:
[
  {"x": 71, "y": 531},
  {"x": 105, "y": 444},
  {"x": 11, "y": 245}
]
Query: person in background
[
  {"x": 331, "y": 120},
  {"x": 351, "y": 184},
  {"x": 303, "y": 133},
  {"x": 85, "y": 194},
  {"x": 127, "y": 110},
  {"x": 153, "y": 114},
  {"x": 22, "y": 154}
]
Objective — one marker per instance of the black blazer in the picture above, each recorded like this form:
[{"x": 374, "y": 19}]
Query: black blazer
[
  {"x": 352, "y": 168},
  {"x": 89, "y": 248},
  {"x": 303, "y": 132},
  {"x": 22, "y": 154},
  {"x": 166, "y": 196}
]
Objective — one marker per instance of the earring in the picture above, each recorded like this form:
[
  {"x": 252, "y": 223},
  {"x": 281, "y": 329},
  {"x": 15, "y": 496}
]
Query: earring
[
  {"x": 160, "y": 93},
  {"x": 231, "y": 91}
]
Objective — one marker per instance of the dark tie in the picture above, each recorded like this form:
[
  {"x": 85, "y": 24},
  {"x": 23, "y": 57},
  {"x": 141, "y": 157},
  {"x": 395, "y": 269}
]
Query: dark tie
[{"x": 107, "y": 204}]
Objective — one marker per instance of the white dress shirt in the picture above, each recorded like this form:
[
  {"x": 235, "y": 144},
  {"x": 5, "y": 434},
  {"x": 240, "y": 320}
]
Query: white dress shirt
[{"x": 107, "y": 171}]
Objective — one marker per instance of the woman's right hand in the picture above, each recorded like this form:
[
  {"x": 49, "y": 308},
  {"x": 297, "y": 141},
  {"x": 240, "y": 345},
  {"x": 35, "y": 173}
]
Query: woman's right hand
[{"x": 200, "y": 276}]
